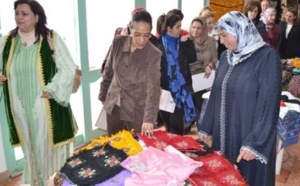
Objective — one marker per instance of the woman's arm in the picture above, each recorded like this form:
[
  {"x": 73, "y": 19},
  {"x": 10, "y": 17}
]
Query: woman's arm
[
  {"x": 108, "y": 74},
  {"x": 61, "y": 85},
  {"x": 189, "y": 50},
  {"x": 2, "y": 77}
]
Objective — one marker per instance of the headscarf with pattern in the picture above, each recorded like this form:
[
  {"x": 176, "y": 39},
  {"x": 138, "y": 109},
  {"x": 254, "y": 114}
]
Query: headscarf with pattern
[
  {"x": 264, "y": 17},
  {"x": 248, "y": 38}
]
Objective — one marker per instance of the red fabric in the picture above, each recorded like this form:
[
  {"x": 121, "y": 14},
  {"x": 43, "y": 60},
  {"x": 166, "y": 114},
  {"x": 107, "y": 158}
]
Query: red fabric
[
  {"x": 216, "y": 170},
  {"x": 160, "y": 139},
  {"x": 231, "y": 177},
  {"x": 184, "y": 33},
  {"x": 282, "y": 104},
  {"x": 200, "y": 181},
  {"x": 214, "y": 163}
]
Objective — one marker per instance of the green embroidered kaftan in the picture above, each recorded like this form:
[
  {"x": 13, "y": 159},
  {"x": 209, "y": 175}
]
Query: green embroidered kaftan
[{"x": 41, "y": 160}]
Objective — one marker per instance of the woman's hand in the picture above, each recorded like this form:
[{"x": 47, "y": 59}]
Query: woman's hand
[
  {"x": 46, "y": 95},
  {"x": 124, "y": 32},
  {"x": 246, "y": 155},
  {"x": 208, "y": 70},
  {"x": 2, "y": 79},
  {"x": 184, "y": 38},
  {"x": 147, "y": 129}
]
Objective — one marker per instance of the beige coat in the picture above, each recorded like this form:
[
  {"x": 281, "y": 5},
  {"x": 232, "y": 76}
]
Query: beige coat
[{"x": 134, "y": 79}]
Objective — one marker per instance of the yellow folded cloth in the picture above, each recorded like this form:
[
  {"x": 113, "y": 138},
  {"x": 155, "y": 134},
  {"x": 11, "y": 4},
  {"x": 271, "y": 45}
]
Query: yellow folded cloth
[{"x": 122, "y": 140}]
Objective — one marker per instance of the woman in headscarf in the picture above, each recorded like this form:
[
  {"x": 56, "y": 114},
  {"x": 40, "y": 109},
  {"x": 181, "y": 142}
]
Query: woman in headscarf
[
  {"x": 207, "y": 55},
  {"x": 243, "y": 107},
  {"x": 271, "y": 36}
]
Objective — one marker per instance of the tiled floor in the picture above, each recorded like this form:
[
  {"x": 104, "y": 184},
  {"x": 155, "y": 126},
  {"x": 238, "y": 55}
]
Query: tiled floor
[{"x": 289, "y": 174}]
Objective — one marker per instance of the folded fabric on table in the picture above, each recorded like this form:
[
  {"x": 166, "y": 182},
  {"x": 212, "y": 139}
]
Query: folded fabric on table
[
  {"x": 216, "y": 170},
  {"x": 160, "y": 168},
  {"x": 288, "y": 128},
  {"x": 117, "y": 180},
  {"x": 122, "y": 140},
  {"x": 161, "y": 139},
  {"x": 93, "y": 166}
]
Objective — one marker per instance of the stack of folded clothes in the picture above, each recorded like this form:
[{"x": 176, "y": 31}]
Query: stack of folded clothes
[{"x": 163, "y": 159}]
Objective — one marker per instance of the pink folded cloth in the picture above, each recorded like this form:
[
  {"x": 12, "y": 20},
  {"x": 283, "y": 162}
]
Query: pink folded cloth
[{"x": 168, "y": 167}]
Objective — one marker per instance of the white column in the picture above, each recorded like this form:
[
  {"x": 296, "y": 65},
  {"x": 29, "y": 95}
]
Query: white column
[{"x": 3, "y": 166}]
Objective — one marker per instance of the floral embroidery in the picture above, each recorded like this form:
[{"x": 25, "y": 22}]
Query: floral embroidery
[
  {"x": 86, "y": 173},
  {"x": 182, "y": 144},
  {"x": 135, "y": 164},
  {"x": 160, "y": 144},
  {"x": 75, "y": 162},
  {"x": 214, "y": 164},
  {"x": 112, "y": 161},
  {"x": 208, "y": 183},
  {"x": 99, "y": 152},
  {"x": 232, "y": 180}
]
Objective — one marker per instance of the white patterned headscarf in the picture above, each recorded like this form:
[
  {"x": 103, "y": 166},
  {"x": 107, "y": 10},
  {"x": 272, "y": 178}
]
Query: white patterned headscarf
[
  {"x": 264, "y": 17},
  {"x": 248, "y": 38}
]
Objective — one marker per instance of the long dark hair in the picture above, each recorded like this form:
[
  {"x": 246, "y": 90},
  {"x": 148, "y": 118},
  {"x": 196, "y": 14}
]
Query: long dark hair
[{"x": 37, "y": 9}]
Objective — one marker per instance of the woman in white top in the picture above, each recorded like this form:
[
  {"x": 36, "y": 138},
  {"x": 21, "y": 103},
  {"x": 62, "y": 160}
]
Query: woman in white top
[{"x": 289, "y": 35}]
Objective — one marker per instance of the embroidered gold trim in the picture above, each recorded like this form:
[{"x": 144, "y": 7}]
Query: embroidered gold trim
[
  {"x": 47, "y": 104},
  {"x": 9, "y": 61}
]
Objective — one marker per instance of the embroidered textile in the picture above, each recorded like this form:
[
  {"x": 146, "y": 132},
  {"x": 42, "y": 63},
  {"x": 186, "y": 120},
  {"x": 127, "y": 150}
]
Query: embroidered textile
[
  {"x": 216, "y": 170},
  {"x": 156, "y": 167},
  {"x": 93, "y": 166},
  {"x": 122, "y": 140},
  {"x": 117, "y": 180},
  {"x": 289, "y": 128},
  {"x": 161, "y": 139}
]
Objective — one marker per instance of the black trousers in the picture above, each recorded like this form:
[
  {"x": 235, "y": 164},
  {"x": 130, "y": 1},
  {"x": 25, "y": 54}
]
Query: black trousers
[
  {"x": 198, "y": 101},
  {"x": 174, "y": 122}
]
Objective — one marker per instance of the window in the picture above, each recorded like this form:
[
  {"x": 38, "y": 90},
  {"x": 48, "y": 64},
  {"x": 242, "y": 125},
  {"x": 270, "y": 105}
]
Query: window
[
  {"x": 190, "y": 10},
  {"x": 155, "y": 8},
  {"x": 103, "y": 17}
]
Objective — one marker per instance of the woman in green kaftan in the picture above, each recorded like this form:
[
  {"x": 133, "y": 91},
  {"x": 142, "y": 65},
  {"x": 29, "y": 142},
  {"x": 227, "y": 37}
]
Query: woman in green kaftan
[{"x": 37, "y": 74}]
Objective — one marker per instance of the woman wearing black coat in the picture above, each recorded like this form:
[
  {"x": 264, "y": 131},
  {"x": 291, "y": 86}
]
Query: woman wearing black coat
[
  {"x": 289, "y": 46},
  {"x": 178, "y": 51}
]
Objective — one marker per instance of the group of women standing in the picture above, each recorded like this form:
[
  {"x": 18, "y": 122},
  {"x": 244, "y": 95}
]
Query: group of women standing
[
  {"x": 242, "y": 109},
  {"x": 285, "y": 36}
]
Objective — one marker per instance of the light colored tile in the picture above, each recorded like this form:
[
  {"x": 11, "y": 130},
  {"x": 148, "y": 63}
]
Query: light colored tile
[
  {"x": 293, "y": 180},
  {"x": 283, "y": 177}
]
